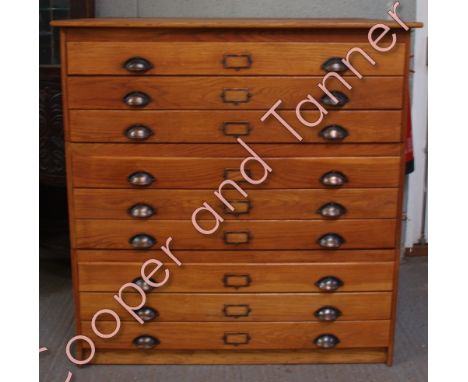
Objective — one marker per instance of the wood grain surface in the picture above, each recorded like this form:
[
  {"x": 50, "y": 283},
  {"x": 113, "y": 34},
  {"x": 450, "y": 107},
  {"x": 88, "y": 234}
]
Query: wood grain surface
[
  {"x": 204, "y": 335},
  {"x": 245, "y": 234},
  {"x": 100, "y": 171},
  {"x": 226, "y": 58},
  {"x": 235, "y": 307},
  {"x": 239, "y": 256},
  {"x": 232, "y": 23},
  {"x": 259, "y": 204},
  {"x": 204, "y": 93},
  {"x": 267, "y": 277},
  {"x": 183, "y": 126}
]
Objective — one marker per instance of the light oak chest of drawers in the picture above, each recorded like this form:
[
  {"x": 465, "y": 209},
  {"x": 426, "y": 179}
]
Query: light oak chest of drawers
[{"x": 302, "y": 271}]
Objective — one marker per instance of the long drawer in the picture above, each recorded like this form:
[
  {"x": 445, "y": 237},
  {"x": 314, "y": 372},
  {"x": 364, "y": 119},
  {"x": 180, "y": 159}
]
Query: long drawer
[
  {"x": 98, "y": 92},
  {"x": 224, "y": 126},
  {"x": 247, "y": 234},
  {"x": 243, "y": 335},
  {"x": 170, "y": 307},
  {"x": 245, "y": 278},
  {"x": 224, "y": 58},
  {"x": 101, "y": 171},
  {"x": 236, "y": 256},
  {"x": 236, "y": 150},
  {"x": 260, "y": 204}
]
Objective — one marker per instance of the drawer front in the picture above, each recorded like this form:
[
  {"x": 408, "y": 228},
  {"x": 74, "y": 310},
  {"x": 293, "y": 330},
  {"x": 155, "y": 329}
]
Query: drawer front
[
  {"x": 243, "y": 278},
  {"x": 263, "y": 234},
  {"x": 224, "y": 58},
  {"x": 102, "y": 171},
  {"x": 224, "y": 126},
  {"x": 166, "y": 307},
  {"x": 227, "y": 92},
  {"x": 236, "y": 256},
  {"x": 243, "y": 335},
  {"x": 236, "y": 150},
  {"x": 260, "y": 204}
]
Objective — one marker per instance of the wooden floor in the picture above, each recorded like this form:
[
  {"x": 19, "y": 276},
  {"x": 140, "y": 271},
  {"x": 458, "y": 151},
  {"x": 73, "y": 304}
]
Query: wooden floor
[{"x": 56, "y": 327}]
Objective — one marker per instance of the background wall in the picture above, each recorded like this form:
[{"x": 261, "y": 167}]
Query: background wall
[
  {"x": 416, "y": 224},
  {"x": 252, "y": 8},
  {"x": 409, "y": 10}
]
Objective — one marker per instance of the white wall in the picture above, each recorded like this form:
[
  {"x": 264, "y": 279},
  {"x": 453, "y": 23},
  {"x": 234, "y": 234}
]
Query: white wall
[
  {"x": 416, "y": 181},
  {"x": 251, "y": 8}
]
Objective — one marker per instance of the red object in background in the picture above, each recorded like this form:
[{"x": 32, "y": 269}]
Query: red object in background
[{"x": 409, "y": 155}]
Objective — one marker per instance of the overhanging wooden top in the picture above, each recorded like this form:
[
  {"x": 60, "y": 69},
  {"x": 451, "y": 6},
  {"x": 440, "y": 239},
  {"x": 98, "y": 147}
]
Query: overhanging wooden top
[{"x": 229, "y": 23}]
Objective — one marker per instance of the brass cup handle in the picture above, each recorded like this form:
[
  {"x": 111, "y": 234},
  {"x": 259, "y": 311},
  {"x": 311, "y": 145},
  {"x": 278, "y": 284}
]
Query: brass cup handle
[
  {"x": 137, "y": 65},
  {"x": 326, "y": 341},
  {"x": 334, "y": 64},
  {"x": 141, "y": 179},
  {"x": 142, "y": 241},
  {"x": 331, "y": 241},
  {"x": 329, "y": 283},
  {"x": 143, "y": 284},
  {"x": 334, "y": 179},
  {"x": 237, "y": 61},
  {"x": 333, "y": 133},
  {"x": 138, "y": 133},
  {"x": 327, "y": 313},
  {"x": 236, "y": 339},
  {"x": 341, "y": 97},
  {"x": 146, "y": 342},
  {"x": 236, "y": 311},
  {"x": 236, "y": 281},
  {"x": 141, "y": 211},
  {"x": 147, "y": 314},
  {"x": 236, "y": 95},
  {"x": 332, "y": 210},
  {"x": 137, "y": 99}
]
